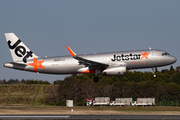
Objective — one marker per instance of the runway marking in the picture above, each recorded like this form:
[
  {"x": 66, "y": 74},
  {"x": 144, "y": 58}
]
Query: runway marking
[{"x": 34, "y": 116}]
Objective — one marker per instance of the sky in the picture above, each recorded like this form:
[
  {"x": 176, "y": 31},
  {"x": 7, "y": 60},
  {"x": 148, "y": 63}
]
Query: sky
[{"x": 88, "y": 26}]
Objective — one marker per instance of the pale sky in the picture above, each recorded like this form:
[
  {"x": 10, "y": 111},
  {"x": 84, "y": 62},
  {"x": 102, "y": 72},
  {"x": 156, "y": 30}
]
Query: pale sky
[{"x": 88, "y": 26}]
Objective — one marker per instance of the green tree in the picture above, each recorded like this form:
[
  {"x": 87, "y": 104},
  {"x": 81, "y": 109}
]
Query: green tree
[{"x": 172, "y": 69}]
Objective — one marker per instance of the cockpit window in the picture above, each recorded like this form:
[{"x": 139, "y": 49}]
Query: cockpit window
[{"x": 163, "y": 54}]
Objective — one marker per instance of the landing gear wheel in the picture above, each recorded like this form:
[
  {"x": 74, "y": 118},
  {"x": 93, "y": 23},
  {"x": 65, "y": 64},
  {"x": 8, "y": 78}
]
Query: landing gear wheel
[
  {"x": 153, "y": 70},
  {"x": 96, "y": 79}
]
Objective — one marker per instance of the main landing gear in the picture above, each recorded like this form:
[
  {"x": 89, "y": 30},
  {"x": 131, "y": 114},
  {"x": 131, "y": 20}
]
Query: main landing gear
[{"x": 96, "y": 79}]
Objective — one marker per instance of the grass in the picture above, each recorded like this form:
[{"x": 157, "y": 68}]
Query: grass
[{"x": 21, "y": 91}]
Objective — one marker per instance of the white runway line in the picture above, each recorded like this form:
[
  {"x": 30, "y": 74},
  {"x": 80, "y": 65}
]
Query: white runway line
[{"x": 34, "y": 116}]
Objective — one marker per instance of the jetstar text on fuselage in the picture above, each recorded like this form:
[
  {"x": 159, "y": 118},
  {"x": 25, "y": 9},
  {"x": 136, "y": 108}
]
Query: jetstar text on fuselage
[{"x": 123, "y": 57}]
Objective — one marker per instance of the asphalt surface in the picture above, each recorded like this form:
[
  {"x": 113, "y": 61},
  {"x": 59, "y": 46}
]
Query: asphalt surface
[{"x": 120, "y": 117}]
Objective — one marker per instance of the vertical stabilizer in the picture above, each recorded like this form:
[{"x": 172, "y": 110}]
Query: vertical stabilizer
[{"x": 19, "y": 51}]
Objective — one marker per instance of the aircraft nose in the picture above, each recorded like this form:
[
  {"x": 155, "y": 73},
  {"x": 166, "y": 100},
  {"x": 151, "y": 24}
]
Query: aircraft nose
[{"x": 173, "y": 59}]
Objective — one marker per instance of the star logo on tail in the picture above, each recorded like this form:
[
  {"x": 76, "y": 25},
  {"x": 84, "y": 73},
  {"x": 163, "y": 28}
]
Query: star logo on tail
[
  {"x": 144, "y": 55},
  {"x": 37, "y": 64}
]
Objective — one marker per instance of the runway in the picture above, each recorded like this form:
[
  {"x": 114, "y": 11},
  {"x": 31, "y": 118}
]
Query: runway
[{"x": 120, "y": 117}]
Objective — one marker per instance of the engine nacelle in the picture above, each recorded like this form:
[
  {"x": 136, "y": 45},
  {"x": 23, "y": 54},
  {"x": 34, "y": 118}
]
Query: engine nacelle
[{"x": 117, "y": 70}]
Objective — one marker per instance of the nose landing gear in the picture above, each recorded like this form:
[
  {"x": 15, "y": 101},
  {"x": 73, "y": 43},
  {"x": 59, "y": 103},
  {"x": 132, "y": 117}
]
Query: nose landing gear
[{"x": 153, "y": 70}]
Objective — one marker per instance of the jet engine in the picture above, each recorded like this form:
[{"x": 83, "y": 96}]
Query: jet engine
[{"x": 116, "y": 70}]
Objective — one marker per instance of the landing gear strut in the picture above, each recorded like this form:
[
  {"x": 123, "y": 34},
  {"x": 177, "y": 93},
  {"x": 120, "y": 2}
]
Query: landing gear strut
[
  {"x": 153, "y": 70},
  {"x": 96, "y": 79}
]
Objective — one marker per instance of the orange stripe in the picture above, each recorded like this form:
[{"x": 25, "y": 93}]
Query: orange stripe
[
  {"x": 91, "y": 71},
  {"x": 87, "y": 71}
]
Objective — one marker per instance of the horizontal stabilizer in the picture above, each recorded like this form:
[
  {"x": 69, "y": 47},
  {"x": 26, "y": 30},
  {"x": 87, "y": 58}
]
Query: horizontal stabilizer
[{"x": 15, "y": 65}]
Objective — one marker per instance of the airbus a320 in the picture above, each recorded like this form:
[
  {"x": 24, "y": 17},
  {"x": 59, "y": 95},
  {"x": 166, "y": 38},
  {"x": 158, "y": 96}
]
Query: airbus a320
[{"x": 112, "y": 63}]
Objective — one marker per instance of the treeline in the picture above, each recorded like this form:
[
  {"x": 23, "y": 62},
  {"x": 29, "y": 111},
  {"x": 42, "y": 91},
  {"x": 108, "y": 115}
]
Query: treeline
[
  {"x": 166, "y": 86},
  {"x": 16, "y": 81}
]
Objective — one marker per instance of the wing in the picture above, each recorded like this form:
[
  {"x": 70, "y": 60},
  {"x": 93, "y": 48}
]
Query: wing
[{"x": 86, "y": 62}]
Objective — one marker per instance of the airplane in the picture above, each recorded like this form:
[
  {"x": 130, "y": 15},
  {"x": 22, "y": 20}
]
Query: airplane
[{"x": 111, "y": 63}]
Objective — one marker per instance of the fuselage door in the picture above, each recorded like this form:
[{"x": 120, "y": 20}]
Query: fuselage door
[{"x": 153, "y": 55}]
